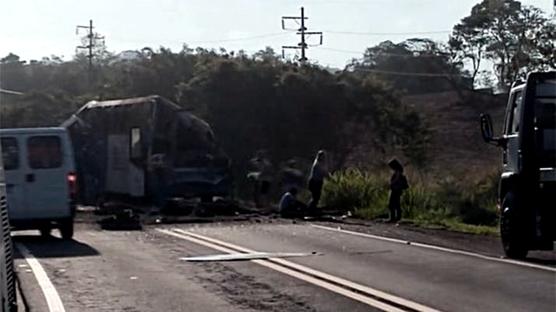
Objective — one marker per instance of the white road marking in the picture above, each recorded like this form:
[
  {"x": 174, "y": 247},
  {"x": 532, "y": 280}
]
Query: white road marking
[
  {"x": 49, "y": 291},
  {"x": 453, "y": 251},
  {"x": 309, "y": 275}
]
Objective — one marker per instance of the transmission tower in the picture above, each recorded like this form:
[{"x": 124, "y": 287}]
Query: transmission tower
[
  {"x": 302, "y": 31},
  {"x": 92, "y": 42}
]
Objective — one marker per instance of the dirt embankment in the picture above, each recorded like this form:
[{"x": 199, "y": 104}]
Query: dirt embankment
[{"x": 455, "y": 146}]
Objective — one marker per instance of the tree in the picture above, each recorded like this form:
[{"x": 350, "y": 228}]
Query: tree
[
  {"x": 415, "y": 65},
  {"x": 252, "y": 102},
  {"x": 516, "y": 38}
]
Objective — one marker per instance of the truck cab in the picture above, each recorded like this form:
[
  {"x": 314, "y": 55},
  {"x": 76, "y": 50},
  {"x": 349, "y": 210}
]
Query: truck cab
[{"x": 527, "y": 187}]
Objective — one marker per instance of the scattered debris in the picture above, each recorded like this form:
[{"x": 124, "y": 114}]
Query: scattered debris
[
  {"x": 248, "y": 256},
  {"x": 124, "y": 220}
]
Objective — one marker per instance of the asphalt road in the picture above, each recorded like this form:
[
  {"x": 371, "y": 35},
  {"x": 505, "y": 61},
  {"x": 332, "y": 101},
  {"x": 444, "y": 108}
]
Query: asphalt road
[{"x": 142, "y": 271}]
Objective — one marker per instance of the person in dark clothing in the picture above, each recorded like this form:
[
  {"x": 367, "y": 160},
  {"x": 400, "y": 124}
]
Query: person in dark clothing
[
  {"x": 398, "y": 183},
  {"x": 319, "y": 172},
  {"x": 290, "y": 207}
]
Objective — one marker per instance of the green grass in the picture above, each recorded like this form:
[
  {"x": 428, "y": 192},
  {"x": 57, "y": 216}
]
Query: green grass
[
  {"x": 449, "y": 204},
  {"x": 456, "y": 226}
]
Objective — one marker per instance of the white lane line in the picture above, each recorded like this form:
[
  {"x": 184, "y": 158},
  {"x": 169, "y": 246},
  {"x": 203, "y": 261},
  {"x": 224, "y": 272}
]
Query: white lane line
[
  {"x": 295, "y": 274},
  {"x": 49, "y": 291},
  {"x": 453, "y": 251},
  {"x": 322, "y": 276}
]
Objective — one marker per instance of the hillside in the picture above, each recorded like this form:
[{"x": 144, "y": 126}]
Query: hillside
[{"x": 455, "y": 144}]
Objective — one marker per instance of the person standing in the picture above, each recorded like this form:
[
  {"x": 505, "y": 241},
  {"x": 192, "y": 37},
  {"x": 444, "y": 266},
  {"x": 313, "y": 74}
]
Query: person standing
[
  {"x": 398, "y": 183},
  {"x": 319, "y": 172},
  {"x": 261, "y": 176}
]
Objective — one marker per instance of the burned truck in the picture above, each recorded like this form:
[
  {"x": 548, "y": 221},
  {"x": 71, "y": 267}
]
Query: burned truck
[{"x": 145, "y": 149}]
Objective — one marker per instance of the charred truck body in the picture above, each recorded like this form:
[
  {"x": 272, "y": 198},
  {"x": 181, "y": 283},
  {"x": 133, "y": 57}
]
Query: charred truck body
[
  {"x": 527, "y": 191},
  {"x": 145, "y": 148}
]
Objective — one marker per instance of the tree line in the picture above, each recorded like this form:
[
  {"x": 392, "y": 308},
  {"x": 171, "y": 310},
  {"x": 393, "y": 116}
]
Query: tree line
[{"x": 262, "y": 102}]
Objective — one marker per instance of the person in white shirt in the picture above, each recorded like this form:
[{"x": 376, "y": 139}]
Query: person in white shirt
[{"x": 319, "y": 171}]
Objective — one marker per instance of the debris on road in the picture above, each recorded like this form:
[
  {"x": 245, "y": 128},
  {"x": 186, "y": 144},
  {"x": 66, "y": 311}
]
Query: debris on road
[
  {"x": 125, "y": 220},
  {"x": 248, "y": 256}
]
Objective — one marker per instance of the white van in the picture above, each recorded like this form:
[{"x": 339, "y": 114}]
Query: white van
[{"x": 40, "y": 179}]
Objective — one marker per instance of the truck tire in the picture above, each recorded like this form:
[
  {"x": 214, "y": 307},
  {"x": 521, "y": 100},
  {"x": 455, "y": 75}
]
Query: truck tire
[
  {"x": 66, "y": 229},
  {"x": 511, "y": 228}
]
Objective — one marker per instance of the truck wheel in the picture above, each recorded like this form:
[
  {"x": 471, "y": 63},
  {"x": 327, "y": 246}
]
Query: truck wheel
[
  {"x": 511, "y": 229},
  {"x": 66, "y": 229}
]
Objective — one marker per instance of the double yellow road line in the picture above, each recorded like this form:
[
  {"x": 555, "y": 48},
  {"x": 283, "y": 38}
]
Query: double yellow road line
[{"x": 364, "y": 294}]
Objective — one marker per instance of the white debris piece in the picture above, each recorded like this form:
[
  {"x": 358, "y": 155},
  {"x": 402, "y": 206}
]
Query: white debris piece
[{"x": 248, "y": 256}]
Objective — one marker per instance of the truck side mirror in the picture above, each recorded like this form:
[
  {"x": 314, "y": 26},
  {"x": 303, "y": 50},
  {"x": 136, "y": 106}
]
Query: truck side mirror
[
  {"x": 487, "y": 132},
  {"x": 486, "y": 128},
  {"x": 135, "y": 144}
]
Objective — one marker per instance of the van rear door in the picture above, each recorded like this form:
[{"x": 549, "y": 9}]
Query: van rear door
[
  {"x": 46, "y": 185},
  {"x": 14, "y": 170}
]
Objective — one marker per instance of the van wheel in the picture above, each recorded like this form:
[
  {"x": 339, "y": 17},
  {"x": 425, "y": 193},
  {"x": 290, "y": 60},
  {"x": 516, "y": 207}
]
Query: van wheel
[
  {"x": 511, "y": 229},
  {"x": 66, "y": 229}
]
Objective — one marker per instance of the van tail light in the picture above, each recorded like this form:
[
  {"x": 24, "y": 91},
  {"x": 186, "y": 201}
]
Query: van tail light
[{"x": 72, "y": 185}]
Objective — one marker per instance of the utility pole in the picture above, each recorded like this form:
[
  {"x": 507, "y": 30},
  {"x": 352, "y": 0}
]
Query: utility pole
[
  {"x": 92, "y": 38},
  {"x": 302, "y": 31}
]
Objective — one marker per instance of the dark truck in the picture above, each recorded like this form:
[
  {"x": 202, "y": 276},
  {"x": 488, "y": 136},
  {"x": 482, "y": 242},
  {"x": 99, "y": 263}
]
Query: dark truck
[
  {"x": 527, "y": 189},
  {"x": 145, "y": 149}
]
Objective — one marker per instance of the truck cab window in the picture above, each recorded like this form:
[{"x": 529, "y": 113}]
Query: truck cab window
[{"x": 516, "y": 110}]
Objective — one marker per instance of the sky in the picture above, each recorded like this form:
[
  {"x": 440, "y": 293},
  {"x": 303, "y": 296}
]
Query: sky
[{"x": 39, "y": 28}]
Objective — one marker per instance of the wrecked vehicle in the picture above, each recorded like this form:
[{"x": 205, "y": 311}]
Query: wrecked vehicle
[
  {"x": 145, "y": 149},
  {"x": 528, "y": 180}
]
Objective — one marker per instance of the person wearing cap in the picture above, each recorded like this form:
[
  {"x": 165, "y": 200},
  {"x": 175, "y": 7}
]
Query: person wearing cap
[
  {"x": 319, "y": 172},
  {"x": 398, "y": 183}
]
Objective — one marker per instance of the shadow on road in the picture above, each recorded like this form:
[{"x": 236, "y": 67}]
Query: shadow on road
[
  {"x": 543, "y": 258},
  {"x": 53, "y": 247}
]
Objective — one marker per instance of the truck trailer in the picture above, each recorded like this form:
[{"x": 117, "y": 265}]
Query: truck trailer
[{"x": 145, "y": 149}]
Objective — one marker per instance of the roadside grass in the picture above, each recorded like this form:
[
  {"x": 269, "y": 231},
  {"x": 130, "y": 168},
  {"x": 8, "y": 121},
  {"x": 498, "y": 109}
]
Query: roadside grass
[
  {"x": 452, "y": 204},
  {"x": 456, "y": 226}
]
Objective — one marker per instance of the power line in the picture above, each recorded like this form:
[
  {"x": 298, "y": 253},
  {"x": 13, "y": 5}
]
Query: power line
[
  {"x": 302, "y": 32},
  {"x": 386, "y": 72},
  {"x": 380, "y": 53},
  {"x": 240, "y": 39},
  {"x": 387, "y": 33},
  {"x": 181, "y": 42}
]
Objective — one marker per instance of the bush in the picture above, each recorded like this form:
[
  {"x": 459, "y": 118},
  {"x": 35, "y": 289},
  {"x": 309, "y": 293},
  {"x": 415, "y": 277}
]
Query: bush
[{"x": 366, "y": 195}]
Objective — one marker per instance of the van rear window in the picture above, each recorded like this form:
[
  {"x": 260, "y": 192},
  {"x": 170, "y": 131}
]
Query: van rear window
[
  {"x": 44, "y": 152},
  {"x": 10, "y": 153}
]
